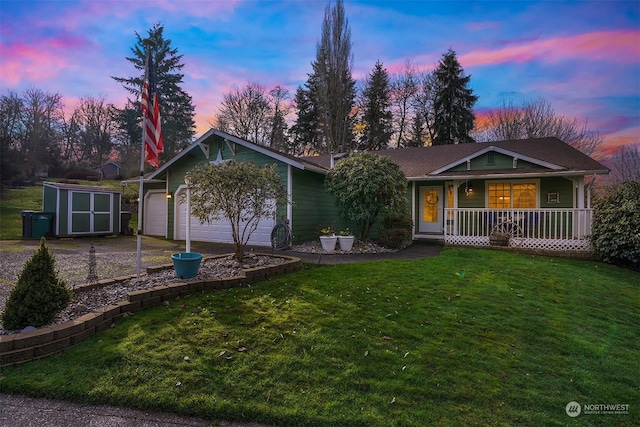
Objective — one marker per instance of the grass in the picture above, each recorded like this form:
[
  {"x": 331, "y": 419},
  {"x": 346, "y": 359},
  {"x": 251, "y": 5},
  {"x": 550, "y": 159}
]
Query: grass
[
  {"x": 16, "y": 200},
  {"x": 396, "y": 343}
]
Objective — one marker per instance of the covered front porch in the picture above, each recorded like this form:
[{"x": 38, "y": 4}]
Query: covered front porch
[
  {"x": 533, "y": 213},
  {"x": 548, "y": 229}
]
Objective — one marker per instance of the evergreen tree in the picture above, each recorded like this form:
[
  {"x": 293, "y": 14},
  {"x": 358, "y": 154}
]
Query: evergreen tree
[
  {"x": 39, "y": 294},
  {"x": 417, "y": 136},
  {"x": 333, "y": 87},
  {"x": 176, "y": 106},
  {"x": 453, "y": 103},
  {"x": 305, "y": 132},
  {"x": 377, "y": 118}
]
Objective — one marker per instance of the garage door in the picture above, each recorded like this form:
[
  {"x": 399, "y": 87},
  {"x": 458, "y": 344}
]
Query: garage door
[
  {"x": 155, "y": 215},
  {"x": 217, "y": 231}
]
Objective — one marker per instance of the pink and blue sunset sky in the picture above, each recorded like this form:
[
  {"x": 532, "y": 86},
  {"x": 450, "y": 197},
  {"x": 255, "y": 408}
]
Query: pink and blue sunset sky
[{"x": 583, "y": 57}]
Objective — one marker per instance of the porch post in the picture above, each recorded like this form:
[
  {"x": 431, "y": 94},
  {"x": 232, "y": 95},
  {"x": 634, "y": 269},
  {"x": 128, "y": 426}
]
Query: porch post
[
  {"x": 413, "y": 208},
  {"x": 456, "y": 184},
  {"x": 580, "y": 204}
]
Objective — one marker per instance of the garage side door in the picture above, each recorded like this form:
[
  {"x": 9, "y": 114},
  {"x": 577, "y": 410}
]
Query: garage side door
[
  {"x": 155, "y": 215},
  {"x": 217, "y": 231}
]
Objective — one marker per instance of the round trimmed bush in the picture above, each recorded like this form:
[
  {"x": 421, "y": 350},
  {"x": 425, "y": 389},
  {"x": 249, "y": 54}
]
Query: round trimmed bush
[{"x": 39, "y": 294}]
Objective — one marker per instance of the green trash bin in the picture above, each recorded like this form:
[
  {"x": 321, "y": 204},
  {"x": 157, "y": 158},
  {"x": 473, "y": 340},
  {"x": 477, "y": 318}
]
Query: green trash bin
[
  {"x": 42, "y": 224},
  {"x": 26, "y": 223}
]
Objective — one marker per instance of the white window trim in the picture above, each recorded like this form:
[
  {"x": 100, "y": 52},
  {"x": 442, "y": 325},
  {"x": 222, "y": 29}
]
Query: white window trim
[{"x": 511, "y": 182}]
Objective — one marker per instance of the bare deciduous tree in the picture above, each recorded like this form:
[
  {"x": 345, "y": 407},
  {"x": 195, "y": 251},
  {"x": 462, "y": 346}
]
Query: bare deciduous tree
[
  {"x": 404, "y": 88},
  {"x": 256, "y": 115},
  {"x": 95, "y": 121},
  {"x": 626, "y": 164},
  {"x": 538, "y": 119}
]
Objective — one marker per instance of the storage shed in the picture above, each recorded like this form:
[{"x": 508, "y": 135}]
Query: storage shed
[{"x": 82, "y": 210}]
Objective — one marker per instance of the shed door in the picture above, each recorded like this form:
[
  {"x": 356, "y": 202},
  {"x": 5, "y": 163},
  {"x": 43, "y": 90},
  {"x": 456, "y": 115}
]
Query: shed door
[{"x": 90, "y": 212}]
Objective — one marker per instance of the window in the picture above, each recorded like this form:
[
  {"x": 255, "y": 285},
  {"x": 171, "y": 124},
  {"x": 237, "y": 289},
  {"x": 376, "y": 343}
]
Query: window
[{"x": 507, "y": 195}]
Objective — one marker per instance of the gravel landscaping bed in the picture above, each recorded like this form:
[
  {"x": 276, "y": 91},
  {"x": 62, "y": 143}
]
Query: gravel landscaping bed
[{"x": 91, "y": 299}]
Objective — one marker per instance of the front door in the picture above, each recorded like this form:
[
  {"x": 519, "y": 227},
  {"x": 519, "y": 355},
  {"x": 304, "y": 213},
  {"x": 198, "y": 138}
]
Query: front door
[{"x": 431, "y": 210}]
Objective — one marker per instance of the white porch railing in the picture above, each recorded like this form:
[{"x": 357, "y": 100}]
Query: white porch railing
[{"x": 551, "y": 229}]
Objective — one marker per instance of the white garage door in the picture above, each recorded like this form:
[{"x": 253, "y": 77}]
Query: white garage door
[
  {"x": 217, "y": 231},
  {"x": 155, "y": 215}
]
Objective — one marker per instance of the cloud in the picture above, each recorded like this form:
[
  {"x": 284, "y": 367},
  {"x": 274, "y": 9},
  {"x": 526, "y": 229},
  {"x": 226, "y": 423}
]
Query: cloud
[
  {"x": 614, "y": 46},
  {"x": 33, "y": 63}
]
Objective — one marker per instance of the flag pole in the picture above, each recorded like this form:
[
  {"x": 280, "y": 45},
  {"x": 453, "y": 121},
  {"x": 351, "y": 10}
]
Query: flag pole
[{"x": 147, "y": 43}]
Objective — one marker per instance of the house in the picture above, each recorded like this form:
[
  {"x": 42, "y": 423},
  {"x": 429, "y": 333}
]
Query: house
[
  {"x": 536, "y": 192},
  {"x": 165, "y": 209},
  {"x": 109, "y": 170}
]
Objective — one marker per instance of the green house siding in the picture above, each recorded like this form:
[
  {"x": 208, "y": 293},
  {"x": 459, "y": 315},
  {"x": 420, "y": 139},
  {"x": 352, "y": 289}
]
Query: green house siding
[
  {"x": 493, "y": 161},
  {"x": 472, "y": 199},
  {"x": 559, "y": 185},
  {"x": 175, "y": 175},
  {"x": 313, "y": 208}
]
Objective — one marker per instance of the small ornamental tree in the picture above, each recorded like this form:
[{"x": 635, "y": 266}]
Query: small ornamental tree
[
  {"x": 39, "y": 294},
  {"x": 366, "y": 185},
  {"x": 615, "y": 235},
  {"x": 241, "y": 192}
]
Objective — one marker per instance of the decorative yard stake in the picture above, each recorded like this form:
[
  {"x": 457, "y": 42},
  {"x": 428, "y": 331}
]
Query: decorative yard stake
[{"x": 92, "y": 277}]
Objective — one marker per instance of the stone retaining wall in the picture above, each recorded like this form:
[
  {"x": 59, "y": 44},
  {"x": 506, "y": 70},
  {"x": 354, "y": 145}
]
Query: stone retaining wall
[{"x": 27, "y": 346}]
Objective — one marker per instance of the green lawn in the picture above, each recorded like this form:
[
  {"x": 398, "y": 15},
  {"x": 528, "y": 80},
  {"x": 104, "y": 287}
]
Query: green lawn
[{"x": 396, "y": 343}]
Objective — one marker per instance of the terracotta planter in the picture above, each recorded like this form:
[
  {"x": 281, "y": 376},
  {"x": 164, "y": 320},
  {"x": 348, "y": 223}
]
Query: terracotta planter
[
  {"x": 346, "y": 242},
  {"x": 329, "y": 243}
]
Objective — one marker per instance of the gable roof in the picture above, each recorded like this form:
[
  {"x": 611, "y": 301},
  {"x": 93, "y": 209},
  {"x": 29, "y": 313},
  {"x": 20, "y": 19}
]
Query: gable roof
[
  {"x": 202, "y": 145},
  {"x": 550, "y": 156}
]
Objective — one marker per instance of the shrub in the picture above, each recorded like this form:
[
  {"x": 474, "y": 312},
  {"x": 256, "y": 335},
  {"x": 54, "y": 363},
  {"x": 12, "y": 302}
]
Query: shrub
[
  {"x": 366, "y": 185},
  {"x": 394, "y": 238},
  {"x": 39, "y": 294},
  {"x": 240, "y": 192},
  {"x": 616, "y": 226},
  {"x": 398, "y": 220}
]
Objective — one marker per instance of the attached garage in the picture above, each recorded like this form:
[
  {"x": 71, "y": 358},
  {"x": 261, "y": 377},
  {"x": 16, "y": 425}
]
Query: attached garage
[
  {"x": 155, "y": 214},
  {"x": 216, "y": 231}
]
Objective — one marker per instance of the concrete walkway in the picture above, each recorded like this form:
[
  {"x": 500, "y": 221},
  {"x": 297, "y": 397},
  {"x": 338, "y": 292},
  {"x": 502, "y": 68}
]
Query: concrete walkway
[{"x": 21, "y": 411}]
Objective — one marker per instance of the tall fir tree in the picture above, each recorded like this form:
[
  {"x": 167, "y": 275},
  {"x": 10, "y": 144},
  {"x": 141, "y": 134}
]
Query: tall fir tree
[
  {"x": 176, "y": 106},
  {"x": 305, "y": 131},
  {"x": 453, "y": 103},
  {"x": 377, "y": 118},
  {"x": 334, "y": 87}
]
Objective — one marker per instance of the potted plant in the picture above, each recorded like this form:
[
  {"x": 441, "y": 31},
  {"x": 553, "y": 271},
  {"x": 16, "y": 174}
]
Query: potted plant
[
  {"x": 345, "y": 240},
  {"x": 328, "y": 238},
  {"x": 186, "y": 264}
]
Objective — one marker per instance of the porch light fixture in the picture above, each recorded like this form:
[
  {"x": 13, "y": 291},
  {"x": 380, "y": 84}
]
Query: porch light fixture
[
  {"x": 169, "y": 195},
  {"x": 468, "y": 188}
]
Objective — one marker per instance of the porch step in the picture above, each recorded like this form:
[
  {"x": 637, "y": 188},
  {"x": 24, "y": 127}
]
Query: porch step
[{"x": 431, "y": 237}]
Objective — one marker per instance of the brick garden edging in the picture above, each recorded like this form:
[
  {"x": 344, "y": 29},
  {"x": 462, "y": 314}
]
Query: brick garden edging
[{"x": 27, "y": 346}]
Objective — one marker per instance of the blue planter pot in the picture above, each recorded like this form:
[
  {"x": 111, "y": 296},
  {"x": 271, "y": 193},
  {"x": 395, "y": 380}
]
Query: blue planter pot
[{"x": 186, "y": 264}]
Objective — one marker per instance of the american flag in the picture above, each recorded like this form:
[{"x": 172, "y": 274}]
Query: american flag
[{"x": 153, "y": 146}]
